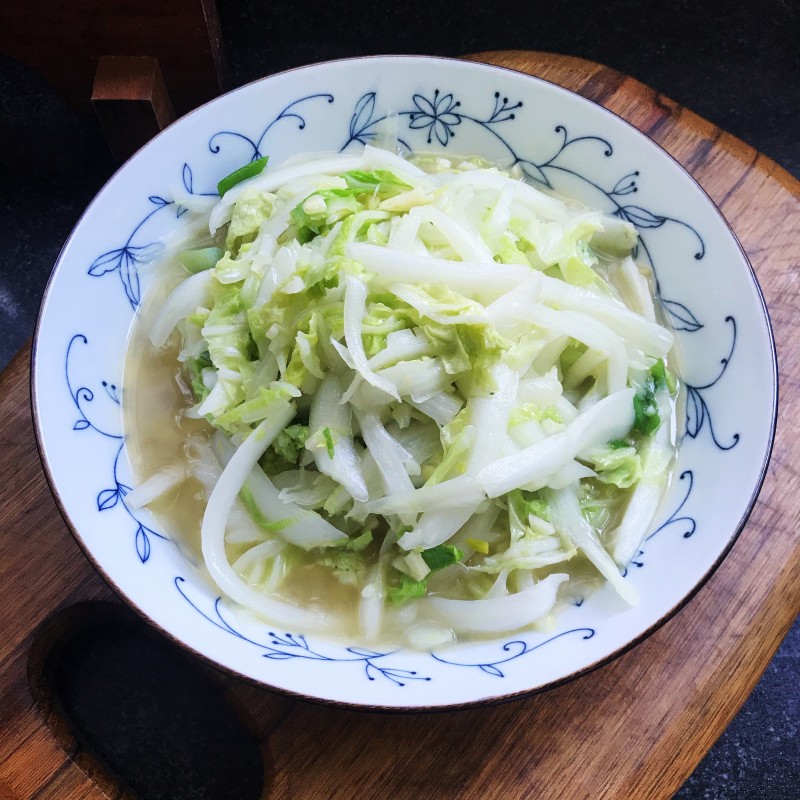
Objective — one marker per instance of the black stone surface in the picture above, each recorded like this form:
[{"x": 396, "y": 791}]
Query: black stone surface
[{"x": 738, "y": 65}]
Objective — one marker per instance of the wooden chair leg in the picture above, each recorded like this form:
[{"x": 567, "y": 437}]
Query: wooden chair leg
[
  {"x": 63, "y": 41},
  {"x": 131, "y": 101}
]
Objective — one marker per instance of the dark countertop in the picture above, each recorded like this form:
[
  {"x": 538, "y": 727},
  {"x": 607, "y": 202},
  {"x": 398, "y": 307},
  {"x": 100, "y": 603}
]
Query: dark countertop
[{"x": 739, "y": 69}]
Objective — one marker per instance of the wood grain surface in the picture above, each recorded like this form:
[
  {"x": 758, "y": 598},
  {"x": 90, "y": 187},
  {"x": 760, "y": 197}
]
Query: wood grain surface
[{"x": 635, "y": 728}]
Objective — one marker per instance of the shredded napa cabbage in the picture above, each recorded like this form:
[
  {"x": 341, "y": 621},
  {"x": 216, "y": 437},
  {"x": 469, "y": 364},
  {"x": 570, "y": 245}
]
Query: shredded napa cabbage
[{"x": 428, "y": 379}]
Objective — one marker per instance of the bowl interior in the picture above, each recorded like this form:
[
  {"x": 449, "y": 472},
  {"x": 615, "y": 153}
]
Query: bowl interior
[{"x": 560, "y": 141}]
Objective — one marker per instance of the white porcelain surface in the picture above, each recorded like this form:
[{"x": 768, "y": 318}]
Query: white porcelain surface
[{"x": 558, "y": 138}]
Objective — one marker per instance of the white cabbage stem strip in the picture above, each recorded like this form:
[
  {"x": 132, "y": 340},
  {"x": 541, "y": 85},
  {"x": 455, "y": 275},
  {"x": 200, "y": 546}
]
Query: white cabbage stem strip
[
  {"x": 489, "y": 416},
  {"x": 436, "y": 527},
  {"x": 570, "y": 522},
  {"x": 189, "y": 295},
  {"x": 257, "y": 555},
  {"x": 403, "y": 236},
  {"x": 457, "y": 492},
  {"x": 387, "y": 452},
  {"x": 390, "y": 267},
  {"x": 440, "y": 407},
  {"x": 656, "y": 456},
  {"x": 156, "y": 486},
  {"x": 544, "y": 390},
  {"x": 283, "y": 266},
  {"x": 586, "y": 365},
  {"x": 466, "y": 245},
  {"x": 303, "y": 528},
  {"x": 538, "y": 289},
  {"x": 535, "y": 201},
  {"x": 418, "y": 379},
  {"x": 378, "y": 157},
  {"x": 654, "y": 339},
  {"x": 634, "y": 287},
  {"x": 500, "y": 218},
  {"x": 213, "y": 530},
  {"x": 400, "y": 346},
  {"x": 584, "y": 329},
  {"x": 498, "y": 614},
  {"x": 525, "y": 293},
  {"x": 355, "y": 299},
  {"x": 327, "y": 412},
  {"x": 478, "y": 527},
  {"x": 420, "y": 439},
  {"x": 569, "y": 473},
  {"x": 370, "y": 605},
  {"x": 610, "y": 418},
  {"x": 206, "y": 468},
  {"x": 308, "y": 529},
  {"x": 196, "y": 203}
]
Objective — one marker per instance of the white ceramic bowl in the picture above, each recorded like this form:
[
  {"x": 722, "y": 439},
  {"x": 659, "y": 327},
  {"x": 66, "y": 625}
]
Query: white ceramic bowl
[{"x": 560, "y": 140}]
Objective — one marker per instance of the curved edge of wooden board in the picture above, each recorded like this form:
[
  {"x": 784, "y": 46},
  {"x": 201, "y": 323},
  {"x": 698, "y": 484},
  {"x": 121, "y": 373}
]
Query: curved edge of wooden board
[
  {"x": 613, "y": 89},
  {"x": 36, "y": 585},
  {"x": 664, "y": 703},
  {"x": 652, "y": 756}
]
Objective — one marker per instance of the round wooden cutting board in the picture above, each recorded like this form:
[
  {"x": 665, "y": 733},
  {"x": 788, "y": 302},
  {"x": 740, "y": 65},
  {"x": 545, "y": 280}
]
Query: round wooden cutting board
[{"x": 635, "y": 728}]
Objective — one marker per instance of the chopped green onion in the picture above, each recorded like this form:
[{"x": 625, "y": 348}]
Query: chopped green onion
[
  {"x": 242, "y": 174},
  {"x": 326, "y": 432},
  {"x": 663, "y": 377},
  {"x": 441, "y": 556}
]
